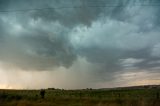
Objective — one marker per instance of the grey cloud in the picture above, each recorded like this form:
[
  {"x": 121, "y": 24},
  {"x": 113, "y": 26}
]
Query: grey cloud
[
  {"x": 36, "y": 46},
  {"x": 83, "y": 12},
  {"x": 70, "y": 17},
  {"x": 37, "y": 52},
  {"x": 111, "y": 34},
  {"x": 2, "y": 31},
  {"x": 57, "y": 48},
  {"x": 117, "y": 39},
  {"x": 102, "y": 44}
]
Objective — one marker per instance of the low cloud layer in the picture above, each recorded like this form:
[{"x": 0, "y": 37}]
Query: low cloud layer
[{"x": 102, "y": 40}]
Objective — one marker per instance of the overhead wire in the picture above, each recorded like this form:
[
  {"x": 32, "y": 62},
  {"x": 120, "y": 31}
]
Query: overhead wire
[{"x": 95, "y": 4}]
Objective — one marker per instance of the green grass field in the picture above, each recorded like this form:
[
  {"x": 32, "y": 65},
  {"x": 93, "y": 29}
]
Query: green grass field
[{"x": 136, "y": 97}]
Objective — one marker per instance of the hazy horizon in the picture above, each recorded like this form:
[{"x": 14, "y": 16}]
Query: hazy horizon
[{"x": 77, "y": 44}]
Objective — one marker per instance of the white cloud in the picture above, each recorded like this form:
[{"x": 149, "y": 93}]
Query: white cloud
[
  {"x": 114, "y": 34},
  {"x": 156, "y": 50},
  {"x": 130, "y": 62}
]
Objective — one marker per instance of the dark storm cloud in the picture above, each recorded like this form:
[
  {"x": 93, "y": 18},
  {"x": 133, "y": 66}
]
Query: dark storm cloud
[
  {"x": 130, "y": 40},
  {"x": 1, "y": 29},
  {"x": 70, "y": 17},
  {"x": 36, "y": 49},
  {"x": 43, "y": 39},
  {"x": 105, "y": 58},
  {"x": 56, "y": 47},
  {"x": 30, "y": 42}
]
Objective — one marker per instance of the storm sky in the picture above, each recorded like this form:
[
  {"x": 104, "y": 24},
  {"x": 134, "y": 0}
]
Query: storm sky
[{"x": 75, "y": 44}]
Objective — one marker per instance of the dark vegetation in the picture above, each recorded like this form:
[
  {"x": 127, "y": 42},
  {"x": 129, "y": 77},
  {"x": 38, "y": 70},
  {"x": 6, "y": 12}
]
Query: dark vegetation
[{"x": 87, "y": 97}]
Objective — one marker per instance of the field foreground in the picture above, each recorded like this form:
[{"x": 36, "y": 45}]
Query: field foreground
[{"x": 88, "y": 97}]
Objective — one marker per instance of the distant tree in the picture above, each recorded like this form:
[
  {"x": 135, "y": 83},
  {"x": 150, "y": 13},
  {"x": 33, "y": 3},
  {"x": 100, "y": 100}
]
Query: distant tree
[
  {"x": 51, "y": 88},
  {"x": 157, "y": 95},
  {"x": 42, "y": 93}
]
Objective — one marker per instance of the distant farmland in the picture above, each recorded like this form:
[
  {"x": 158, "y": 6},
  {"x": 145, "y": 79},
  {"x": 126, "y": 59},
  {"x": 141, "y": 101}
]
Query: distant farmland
[{"x": 140, "y": 96}]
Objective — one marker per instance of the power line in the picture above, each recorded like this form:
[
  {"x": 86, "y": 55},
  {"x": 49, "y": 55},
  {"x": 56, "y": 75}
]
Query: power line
[{"x": 71, "y": 7}]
